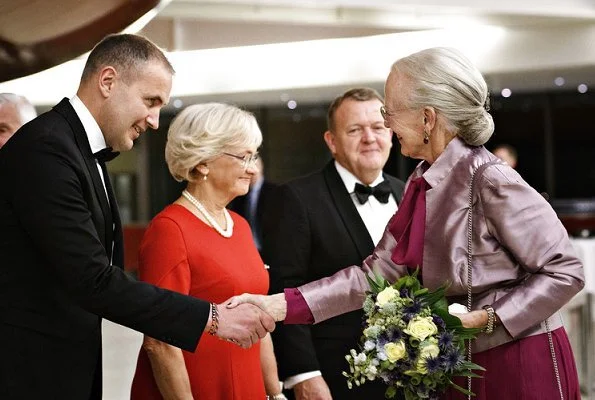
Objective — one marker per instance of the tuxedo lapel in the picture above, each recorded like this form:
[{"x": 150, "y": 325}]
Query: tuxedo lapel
[
  {"x": 351, "y": 219},
  {"x": 65, "y": 109}
]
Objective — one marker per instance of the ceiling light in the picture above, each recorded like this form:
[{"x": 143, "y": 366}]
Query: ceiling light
[{"x": 559, "y": 81}]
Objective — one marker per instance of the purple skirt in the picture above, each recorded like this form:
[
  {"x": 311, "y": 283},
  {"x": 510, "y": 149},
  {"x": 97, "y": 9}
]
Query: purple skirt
[{"x": 523, "y": 370}]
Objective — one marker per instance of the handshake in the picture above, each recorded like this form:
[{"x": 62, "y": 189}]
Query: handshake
[{"x": 247, "y": 318}]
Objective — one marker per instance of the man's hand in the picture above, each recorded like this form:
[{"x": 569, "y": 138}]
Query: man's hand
[
  {"x": 274, "y": 305},
  {"x": 312, "y": 389},
  {"x": 243, "y": 325}
]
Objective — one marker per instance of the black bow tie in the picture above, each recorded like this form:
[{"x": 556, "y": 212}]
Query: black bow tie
[
  {"x": 381, "y": 192},
  {"x": 106, "y": 155}
]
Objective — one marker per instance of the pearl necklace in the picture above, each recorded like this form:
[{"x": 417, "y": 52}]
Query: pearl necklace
[{"x": 226, "y": 233}]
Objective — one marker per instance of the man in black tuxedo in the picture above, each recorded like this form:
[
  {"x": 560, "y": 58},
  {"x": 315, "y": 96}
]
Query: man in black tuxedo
[
  {"x": 61, "y": 237},
  {"x": 253, "y": 205},
  {"x": 323, "y": 223}
]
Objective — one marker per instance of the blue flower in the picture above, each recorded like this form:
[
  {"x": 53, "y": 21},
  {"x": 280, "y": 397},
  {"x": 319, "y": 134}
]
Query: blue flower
[
  {"x": 452, "y": 360},
  {"x": 439, "y": 321},
  {"x": 391, "y": 334},
  {"x": 445, "y": 340},
  {"x": 433, "y": 365},
  {"x": 411, "y": 311}
]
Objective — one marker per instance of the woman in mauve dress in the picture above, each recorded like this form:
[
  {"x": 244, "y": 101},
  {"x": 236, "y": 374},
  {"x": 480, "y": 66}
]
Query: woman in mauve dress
[{"x": 524, "y": 268}]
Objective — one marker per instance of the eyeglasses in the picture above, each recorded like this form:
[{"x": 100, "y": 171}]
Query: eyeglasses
[
  {"x": 248, "y": 160},
  {"x": 387, "y": 114}
]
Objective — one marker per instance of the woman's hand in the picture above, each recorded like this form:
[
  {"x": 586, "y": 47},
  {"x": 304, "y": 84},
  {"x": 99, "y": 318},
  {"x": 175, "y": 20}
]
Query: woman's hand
[
  {"x": 473, "y": 319},
  {"x": 274, "y": 305}
]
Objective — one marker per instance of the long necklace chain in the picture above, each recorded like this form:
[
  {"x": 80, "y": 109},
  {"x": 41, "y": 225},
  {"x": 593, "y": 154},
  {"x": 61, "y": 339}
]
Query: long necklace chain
[{"x": 223, "y": 232}]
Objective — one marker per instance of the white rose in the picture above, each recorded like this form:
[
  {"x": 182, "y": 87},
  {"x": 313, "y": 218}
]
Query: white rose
[
  {"x": 386, "y": 295},
  {"x": 395, "y": 351},
  {"x": 429, "y": 350},
  {"x": 421, "y": 327}
]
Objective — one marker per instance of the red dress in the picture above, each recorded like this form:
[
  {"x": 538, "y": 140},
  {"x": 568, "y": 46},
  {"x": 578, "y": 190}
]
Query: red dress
[{"x": 181, "y": 253}]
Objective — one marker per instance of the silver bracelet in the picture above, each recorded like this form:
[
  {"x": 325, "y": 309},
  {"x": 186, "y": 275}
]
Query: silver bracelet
[{"x": 279, "y": 396}]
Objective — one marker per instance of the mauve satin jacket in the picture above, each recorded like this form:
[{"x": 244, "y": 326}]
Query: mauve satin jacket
[{"x": 523, "y": 262}]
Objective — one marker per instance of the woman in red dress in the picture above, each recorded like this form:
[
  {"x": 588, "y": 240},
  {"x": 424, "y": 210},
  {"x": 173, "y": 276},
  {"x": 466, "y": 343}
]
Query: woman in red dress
[{"x": 196, "y": 246}]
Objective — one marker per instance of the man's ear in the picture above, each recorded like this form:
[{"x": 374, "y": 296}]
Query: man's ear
[
  {"x": 329, "y": 138},
  {"x": 106, "y": 80}
]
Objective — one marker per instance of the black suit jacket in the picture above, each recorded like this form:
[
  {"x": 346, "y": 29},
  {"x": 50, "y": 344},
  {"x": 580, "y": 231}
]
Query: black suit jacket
[
  {"x": 313, "y": 231},
  {"x": 241, "y": 206},
  {"x": 56, "y": 281}
]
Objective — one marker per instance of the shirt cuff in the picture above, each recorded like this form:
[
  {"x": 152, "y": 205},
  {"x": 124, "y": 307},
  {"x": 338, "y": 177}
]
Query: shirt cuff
[
  {"x": 299, "y": 378},
  {"x": 298, "y": 311}
]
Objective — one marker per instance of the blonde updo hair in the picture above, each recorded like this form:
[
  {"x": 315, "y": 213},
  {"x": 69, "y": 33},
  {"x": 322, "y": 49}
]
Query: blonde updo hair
[
  {"x": 445, "y": 79},
  {"x": 202, "y": 132}
]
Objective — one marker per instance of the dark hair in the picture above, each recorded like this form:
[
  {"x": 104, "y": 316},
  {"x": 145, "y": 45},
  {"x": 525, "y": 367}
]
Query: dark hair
[
  {"x": 126, "y": 52},
  {"x": 357, "y": 94}
]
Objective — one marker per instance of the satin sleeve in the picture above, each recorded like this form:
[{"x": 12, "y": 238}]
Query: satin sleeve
[
  {"x": 522, "y": 221},
  {"x": 345, "y": 290}
]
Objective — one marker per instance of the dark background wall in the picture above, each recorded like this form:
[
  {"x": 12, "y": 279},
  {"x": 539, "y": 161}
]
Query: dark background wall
[{"x": 552, "y": 131}]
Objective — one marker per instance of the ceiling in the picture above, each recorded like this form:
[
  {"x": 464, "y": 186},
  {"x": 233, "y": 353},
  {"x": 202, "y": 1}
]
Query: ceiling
[
  {"x": 37, "y": 34},
  {"x": 266, "y": 51}
]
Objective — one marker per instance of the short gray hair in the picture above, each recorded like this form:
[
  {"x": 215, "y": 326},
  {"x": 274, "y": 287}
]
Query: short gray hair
[
  {"x": 445, "y": 79},
  {"x": 202, "y": 132},
  {"x": 24, "y": 107}
]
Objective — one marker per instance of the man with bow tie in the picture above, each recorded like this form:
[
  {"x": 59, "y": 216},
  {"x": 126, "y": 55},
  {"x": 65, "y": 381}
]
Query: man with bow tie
[
  {"x": 61, "y": 239},
  {"x": 322, "y": 223}
]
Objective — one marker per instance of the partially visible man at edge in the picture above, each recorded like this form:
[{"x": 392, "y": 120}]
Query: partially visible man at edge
[
  {"x": 61, "y": 237},
  {"x": 15, "y": 111},
  {"x": 318, "y": 224}
]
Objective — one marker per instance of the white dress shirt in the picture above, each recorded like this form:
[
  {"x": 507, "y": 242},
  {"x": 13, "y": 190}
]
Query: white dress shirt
[
  {"x": 374, "y": 213},
  {"x": 96, "y": 140},
  {"x": 93, "y": 131}
]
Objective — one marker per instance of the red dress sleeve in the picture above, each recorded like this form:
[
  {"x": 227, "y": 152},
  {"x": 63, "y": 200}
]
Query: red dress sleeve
[{"x": 163, "y": 259}]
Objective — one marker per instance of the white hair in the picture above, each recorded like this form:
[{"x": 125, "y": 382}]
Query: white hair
[
  {"x": 445, "y": 79},
  {"x": 24, "y": 107},
  {"x": 204, "y": 131}
]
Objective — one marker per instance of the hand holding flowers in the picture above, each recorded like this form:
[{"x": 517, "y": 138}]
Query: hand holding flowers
[{"x": 410, "y": 341}]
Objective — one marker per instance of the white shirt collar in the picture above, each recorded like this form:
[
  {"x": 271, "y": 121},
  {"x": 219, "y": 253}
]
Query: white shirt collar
[
  {"x": 349, "y": 180},
  {"x": 94, "y": 134}
]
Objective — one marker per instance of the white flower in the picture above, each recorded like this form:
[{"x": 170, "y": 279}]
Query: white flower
[
  {"x": 372, "y": 331},
  {"x": 456, "y": 308},
  {"x": 429, "y": 350},
  {"x": 360, "y": 359},
  {"x": 369, "y": 345},
  {"x": 395, "y": 351},
  {"x": 386, "y": 295},
  {"x": 370, "y": 372},
  {"x": 421, "y": 327}
]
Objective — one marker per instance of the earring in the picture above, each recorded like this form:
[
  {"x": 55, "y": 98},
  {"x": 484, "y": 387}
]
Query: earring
[
  {"x": 204, "y": 177},
  {"x": 426, "y": 137}
]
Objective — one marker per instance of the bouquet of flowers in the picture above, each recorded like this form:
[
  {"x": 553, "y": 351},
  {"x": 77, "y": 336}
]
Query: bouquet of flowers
[{"x": 410, "y": 341}]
